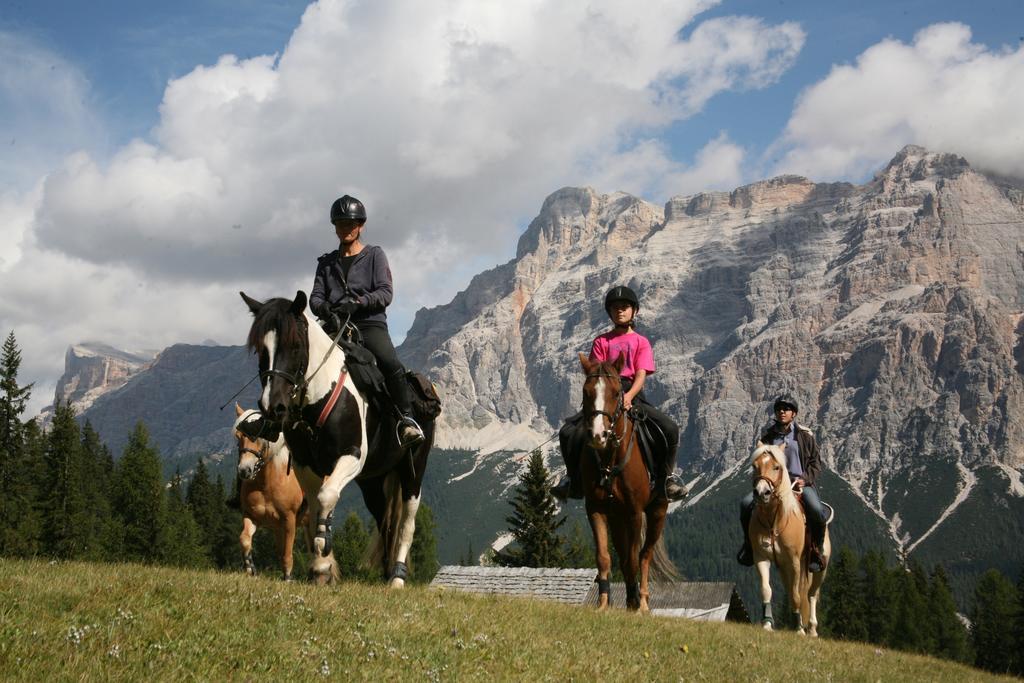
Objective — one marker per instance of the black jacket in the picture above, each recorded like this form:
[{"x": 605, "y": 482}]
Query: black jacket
[
  {"x": 810, "y": 459},
  {"x": 369, "y": 280}
]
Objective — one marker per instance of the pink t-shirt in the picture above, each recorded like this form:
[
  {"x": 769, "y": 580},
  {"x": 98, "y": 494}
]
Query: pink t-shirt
[{"x": 635, "y": 347}]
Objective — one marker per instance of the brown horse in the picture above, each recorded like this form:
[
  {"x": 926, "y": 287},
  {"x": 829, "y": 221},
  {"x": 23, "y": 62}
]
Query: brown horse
[
  {"x": 617, "y": 488},
  {"x": 778, "y": 532},
  {"x": 271, "y": 497}
]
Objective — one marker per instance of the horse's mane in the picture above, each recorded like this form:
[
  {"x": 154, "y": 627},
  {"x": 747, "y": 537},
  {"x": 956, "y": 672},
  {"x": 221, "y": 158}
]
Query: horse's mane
[
  {"x": 275, "y": 316},
  {"x": 786, "y": 496}
]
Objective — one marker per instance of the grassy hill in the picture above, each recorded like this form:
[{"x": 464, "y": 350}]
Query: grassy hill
[{"x": 73, "y": 621}]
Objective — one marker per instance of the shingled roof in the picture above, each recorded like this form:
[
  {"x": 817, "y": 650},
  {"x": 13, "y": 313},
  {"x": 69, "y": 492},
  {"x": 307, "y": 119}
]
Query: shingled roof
[
  {"x": 561, "y": 585},
  {"x": 700, "y": 600}
]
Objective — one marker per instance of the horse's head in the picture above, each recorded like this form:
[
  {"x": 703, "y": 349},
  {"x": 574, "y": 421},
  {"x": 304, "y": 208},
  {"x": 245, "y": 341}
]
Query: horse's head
[
  {"x": 280, "y": 336},
  {"x": 602, "y": 399},
  {"x": 253, "y": 451},
  {"x": 768, "y": 470}
]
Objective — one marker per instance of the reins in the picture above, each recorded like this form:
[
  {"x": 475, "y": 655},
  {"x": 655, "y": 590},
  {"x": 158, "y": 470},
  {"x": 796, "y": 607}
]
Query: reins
[
  {"x": 261, "y": 456},
  {"x": 608, "y": 471}
]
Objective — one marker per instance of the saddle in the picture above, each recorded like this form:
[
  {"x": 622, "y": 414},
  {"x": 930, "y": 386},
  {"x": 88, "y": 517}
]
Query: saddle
[{"x": 362, "y": 368}]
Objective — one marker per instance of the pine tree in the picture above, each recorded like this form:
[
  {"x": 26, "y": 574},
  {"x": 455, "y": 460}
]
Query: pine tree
[
  {"x": 843, "y": 599},
  {"x": 139, "y": 497},
  {"x": 227, "y": 525},
  {"x": 879, "y": 597},
  {"x": 579, "y": 551},
  {"x": 949, "y": 635},
  {"x": 204, "y": 503},
  {"x": 349, "y": 545},
  {"x": 1018, "y": 627},
  {"x": 19, "y": 523},
  {"x": 100, "y": 532},
  {"x": 423, "y": 554},
  {"x": 992, "y": 619},
  {"x": 179, "y": 540},
  {"x": 64, "y": 506},
  {"x": 909, "y": 627},
  {"x": 534, "y": 523}
]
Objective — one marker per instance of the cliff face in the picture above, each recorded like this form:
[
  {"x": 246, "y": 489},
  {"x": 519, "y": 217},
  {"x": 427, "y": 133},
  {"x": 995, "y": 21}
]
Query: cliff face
[{"x": 892, "y": 310}]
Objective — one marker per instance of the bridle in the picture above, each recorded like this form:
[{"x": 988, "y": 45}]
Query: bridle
[
  {"x": 608, "y": 471},
  {"x": 261, "y": 456}
]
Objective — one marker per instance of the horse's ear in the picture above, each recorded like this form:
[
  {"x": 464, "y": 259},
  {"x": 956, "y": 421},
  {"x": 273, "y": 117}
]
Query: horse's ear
[
  {"x": 238, "y": 409},
  {"x": 759, "y": 444},
  {"x": 620, "y": 362},
  {"x": 253, "y": 305},
  {"x": 585, "y": 362},
  {"x": 299, "y": 305}
]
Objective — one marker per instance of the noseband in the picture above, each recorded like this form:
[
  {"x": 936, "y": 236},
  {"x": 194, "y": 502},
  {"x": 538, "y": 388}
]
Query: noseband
[
  {"x": 613, "y": 418},
  {"x": 261, "y": 457},
  {"x": 608, "y": 471}
]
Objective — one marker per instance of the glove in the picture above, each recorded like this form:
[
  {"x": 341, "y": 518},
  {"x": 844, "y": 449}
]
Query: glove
[{"x": 345, "y": 308}]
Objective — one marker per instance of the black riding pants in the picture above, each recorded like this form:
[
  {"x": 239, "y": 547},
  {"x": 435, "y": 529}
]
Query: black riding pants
[
  {"x": 572, "y": 438},
  {"x": 378, "y": 341}
]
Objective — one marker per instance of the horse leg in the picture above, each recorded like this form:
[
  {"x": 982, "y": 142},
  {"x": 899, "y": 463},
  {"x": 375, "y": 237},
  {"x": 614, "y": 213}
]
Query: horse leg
[
  {"x": 599, "y": 527},
  {"x": 815, "y": 590},
  {"x": 626, "y": 537},
  {"x": 406, "y": 531},
  {"x": 763, "y": 571},
  {"x": 323, "y": 568},
  {"x": 285, "y": 543},
  {"x": 245, "y": 540},
  {"x": 793, "y": 570},
  {"x": 655, "y": 527}
]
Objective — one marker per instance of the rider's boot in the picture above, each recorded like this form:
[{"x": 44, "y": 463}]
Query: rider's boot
[
  {"x": 674, "y": 488},
  {"x": 815, "y": 561},
  {"x": 568, "y": 486},
  {"x": 408, "y": 430}
]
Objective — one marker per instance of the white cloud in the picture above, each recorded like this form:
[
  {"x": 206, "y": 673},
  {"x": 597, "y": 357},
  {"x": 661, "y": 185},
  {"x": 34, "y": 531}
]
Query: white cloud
[
  {"x": 451, "y": 121},
  {"x": 942, "y": 91}
]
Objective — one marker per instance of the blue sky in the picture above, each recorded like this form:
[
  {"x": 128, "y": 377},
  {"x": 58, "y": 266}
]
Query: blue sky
[{"x": 144, "y": 170}]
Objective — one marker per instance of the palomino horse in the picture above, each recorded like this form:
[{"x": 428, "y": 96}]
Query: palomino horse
[
  {"x": 778, "y": 532},
  {"x": 270, "y": 495},
  {"x": 617, "y": 488},
  {"x": 335, "y": 434}
]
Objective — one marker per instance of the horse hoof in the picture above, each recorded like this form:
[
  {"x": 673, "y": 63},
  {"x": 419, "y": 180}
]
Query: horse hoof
[
  {"x": 396, "y": 583},
  {"x": 767, "y": 626},
  {"x": 801, "y": 632}
]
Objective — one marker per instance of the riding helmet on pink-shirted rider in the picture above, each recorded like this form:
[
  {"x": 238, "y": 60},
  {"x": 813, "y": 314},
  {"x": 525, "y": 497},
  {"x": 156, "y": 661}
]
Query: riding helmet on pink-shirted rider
[{"x": 621, "y": 293}]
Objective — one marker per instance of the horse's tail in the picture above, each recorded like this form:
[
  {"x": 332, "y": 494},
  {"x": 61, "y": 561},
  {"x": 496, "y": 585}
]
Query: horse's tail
[
  {"x": 662, "y": 567},
  {"x": 385, "y": 541}
]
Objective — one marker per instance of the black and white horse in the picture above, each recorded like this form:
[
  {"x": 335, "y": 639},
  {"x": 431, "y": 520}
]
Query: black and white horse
[{"x": 336, "y": 435}]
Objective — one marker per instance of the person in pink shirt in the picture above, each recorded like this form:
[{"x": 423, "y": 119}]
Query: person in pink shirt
[{"x": 622, "y": 304}]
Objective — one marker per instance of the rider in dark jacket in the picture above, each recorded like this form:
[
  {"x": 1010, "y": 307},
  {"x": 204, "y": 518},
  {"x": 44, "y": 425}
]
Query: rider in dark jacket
[
  {"x": 804, "y": 464},
  {"x": 354, "y": 282}
]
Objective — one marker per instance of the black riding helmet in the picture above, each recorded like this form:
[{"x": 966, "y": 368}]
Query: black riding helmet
[
  {"x": 786, "y": 400},
  {"x": 620, "y": 293},
  {"x": 348, "y": 208}
]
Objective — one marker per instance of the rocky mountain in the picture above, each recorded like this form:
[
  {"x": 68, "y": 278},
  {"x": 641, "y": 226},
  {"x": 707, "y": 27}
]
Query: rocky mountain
[
  {"x": 893, "y": 310},
  {"x": 92, "y": 369}
]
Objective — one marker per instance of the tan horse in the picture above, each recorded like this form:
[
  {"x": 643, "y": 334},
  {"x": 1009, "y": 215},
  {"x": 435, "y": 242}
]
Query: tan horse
[
  {"x": 271, "y": 497},
  {"x": 617, "y": 488},
  {"x": 778, "y": 533}
]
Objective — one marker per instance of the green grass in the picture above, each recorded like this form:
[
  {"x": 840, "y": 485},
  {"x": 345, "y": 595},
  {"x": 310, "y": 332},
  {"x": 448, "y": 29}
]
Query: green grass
[{"x": 75, "y": 621}]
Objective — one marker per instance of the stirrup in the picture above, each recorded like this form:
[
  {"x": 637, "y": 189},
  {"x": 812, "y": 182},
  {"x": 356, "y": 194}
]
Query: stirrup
[
  {"x": 565, "y": 490},
  {"x": 405, "y": 439},
  {"x": 681, "y": 490}
]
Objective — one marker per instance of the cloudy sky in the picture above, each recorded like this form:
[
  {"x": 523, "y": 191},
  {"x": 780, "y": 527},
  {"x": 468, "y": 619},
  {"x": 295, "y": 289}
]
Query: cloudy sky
[{"x": 157, "y": 160}]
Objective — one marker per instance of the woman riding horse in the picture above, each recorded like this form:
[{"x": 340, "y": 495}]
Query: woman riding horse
[
  {"x": 353, "y": 283},
  {"x": 621, "y": 304}
]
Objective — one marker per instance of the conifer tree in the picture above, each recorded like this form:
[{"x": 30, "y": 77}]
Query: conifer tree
[
  {"x": 843, "y": 599},
  {"x": 878, "y": 597},
  {"x": 204, "y": 504},
  {"x": 64, "y": 506},
  {"x": 949, "y": 635},
  {"x": 350, "y": 543},
  {"x": 19, "y": 523},
  {"x": 227, "y": 524},
  {"x": 1018, "y": 628},
  {"x": 579, "y": 548},
  {"x": 423, "y": 554},
  {"x": 909, "y": 627},
  {"x": 100, "y": 532},
  {"x": 534, "y": 522},
  {"x": 180, "y": 539},
  {"x": 139, "y": 497},
  {"x": 992, "y": 622}
]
